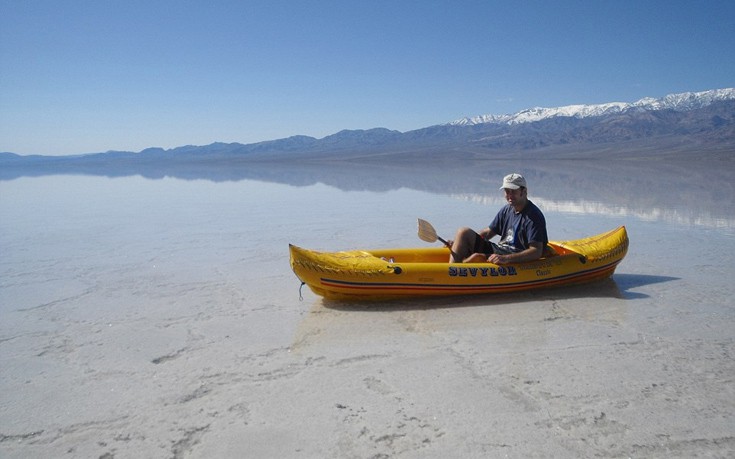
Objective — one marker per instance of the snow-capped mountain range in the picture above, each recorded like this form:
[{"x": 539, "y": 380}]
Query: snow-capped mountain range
[
  {"x": 678, "y": 102},
  {"x": 686, "y": 125}
]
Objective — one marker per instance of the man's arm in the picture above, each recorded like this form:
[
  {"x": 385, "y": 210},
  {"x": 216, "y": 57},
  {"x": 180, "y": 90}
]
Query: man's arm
[{"x": 487, "y": 233}]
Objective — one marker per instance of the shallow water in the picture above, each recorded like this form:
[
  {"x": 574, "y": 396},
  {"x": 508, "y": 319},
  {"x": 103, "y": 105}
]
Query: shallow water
[{"x": 130, "y": 303}]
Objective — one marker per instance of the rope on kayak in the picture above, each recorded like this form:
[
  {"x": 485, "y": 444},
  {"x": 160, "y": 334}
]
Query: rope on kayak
[{"x": 301, "y": 297}]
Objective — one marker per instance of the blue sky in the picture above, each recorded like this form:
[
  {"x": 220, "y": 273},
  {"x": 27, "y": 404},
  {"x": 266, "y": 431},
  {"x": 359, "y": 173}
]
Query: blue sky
[{"x": 90, "y": 76}]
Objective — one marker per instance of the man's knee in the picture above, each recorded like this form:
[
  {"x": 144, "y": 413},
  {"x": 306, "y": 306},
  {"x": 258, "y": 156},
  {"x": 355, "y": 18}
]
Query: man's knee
[{"x": 465, "y": 233}]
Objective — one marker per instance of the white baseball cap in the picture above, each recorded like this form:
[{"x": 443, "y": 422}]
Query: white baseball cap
[{"x": 513, "y": 182}]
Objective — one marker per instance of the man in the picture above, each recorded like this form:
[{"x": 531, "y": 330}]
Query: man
[{"x": 520, "y": 225}]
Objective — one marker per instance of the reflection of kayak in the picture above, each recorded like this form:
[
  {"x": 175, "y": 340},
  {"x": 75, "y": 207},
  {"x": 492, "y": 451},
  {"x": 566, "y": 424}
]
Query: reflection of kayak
[{"x": 404, "y": 273}]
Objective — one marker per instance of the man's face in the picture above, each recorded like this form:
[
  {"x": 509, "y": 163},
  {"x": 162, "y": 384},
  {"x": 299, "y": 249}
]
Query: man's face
[{"x": 515, "y": 197}]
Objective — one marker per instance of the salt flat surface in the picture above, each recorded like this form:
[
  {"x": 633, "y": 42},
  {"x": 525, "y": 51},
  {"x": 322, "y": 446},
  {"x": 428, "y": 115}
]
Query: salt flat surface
[{"x": 159, "y": 318}]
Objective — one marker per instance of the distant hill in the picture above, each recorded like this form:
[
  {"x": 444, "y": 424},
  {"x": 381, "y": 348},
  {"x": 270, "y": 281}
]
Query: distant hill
[{"x": 677, "y": 125}]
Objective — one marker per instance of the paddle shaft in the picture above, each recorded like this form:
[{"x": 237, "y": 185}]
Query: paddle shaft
[{"x": 428, "y": 233}]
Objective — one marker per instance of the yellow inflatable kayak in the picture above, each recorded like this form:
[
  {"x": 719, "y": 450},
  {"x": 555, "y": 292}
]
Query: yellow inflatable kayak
[{"x": 403, "y": 273}]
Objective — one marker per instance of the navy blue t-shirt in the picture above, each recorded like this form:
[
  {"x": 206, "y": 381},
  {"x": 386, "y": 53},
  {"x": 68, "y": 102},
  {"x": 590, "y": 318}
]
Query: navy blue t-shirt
[{"x": 518, "y": 230}]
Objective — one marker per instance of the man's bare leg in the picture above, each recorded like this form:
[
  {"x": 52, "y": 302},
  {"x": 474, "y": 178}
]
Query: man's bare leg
[{"x": 463, "y": 244}]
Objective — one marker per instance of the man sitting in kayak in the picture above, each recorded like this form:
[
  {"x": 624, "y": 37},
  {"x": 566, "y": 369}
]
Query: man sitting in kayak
[{"x": 520, "y": 224}]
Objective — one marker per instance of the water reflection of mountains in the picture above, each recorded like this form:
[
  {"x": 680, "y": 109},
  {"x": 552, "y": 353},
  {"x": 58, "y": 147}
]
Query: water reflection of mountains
[{"x": 690, "y": 192}]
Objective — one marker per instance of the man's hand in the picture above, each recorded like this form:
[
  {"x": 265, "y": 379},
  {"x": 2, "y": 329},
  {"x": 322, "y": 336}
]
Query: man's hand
[
  {"x": 532, "y": 253},
  {"x": 498, "y": 259}
]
